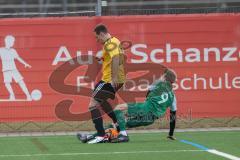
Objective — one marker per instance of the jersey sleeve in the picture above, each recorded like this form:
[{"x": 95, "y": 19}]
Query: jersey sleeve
[
  {"x": 173, "y": 107},
  {"x": 114, "y": 52},
  {"x": 113, "y": 48}
]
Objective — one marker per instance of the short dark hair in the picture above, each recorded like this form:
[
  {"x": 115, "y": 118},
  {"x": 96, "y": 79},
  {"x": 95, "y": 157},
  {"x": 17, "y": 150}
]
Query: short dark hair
[
  {"x": 100, "y": 28},
  {"x": 170, "y": 75}
]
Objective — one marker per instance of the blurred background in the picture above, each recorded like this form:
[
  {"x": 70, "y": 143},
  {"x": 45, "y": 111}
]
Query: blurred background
[{"x": 43, "y": 8}]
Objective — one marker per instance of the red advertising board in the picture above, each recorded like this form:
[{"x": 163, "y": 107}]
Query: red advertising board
[{"x": 204, "y": 50}]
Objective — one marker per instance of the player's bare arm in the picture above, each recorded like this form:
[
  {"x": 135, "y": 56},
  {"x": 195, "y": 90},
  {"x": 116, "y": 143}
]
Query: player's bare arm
[{"x": 115, "y": 68}]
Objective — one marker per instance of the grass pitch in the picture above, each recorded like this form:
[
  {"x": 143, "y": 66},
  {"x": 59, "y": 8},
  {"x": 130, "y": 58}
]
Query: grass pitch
[{"x": 148, "y": 146}]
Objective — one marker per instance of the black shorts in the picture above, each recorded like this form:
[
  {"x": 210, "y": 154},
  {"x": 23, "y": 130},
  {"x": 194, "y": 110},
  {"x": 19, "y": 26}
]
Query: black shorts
[{"x": 103, "y": 91}]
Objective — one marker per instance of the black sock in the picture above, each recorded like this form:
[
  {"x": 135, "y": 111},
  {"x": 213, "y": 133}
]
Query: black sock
[
  {"x": 98, "y": 121},
  {"x": 172, "y": 122},
  {"x": 107, "y": 108}
]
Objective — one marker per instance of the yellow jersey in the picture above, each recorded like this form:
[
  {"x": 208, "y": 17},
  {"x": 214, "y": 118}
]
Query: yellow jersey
[{"x": 111, "y": 48}]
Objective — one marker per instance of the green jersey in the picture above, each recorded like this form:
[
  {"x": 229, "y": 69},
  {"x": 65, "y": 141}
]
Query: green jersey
[{"x": 161, "y": 97}]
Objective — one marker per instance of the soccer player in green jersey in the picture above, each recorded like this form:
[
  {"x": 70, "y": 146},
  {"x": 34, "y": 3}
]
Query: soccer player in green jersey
[{"x": 159, "y": 97}]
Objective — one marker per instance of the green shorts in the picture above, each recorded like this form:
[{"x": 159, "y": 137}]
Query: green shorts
[{"x": 139, "y": 114}]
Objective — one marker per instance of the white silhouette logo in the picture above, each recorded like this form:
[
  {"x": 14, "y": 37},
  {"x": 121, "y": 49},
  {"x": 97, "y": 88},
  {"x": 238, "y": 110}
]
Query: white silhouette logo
[{"x": 8, "y": 55}]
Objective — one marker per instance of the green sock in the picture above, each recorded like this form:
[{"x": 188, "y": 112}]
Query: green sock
[{"x": 120, "y": 119}]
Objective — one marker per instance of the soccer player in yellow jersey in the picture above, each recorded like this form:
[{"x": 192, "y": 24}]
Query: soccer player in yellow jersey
[{"x": 113, "y": 78}]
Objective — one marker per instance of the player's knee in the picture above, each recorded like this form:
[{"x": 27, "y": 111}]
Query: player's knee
[
  {"x": 93, "y": 103},
  {"x": 121, "y": 107},
  {"x": 90, "y": 108}
]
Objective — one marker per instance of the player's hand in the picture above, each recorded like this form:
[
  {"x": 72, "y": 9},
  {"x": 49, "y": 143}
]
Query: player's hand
[
  {"x": 28, "y": 66},
  {"x": 171, "y": 138}
]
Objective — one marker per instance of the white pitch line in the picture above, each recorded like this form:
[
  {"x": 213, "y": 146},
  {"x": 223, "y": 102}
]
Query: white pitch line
[
  {"x": 213, "y": 151},
  {"x": 98, "y": 153},
  {"x": 222, "y": 154}
]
